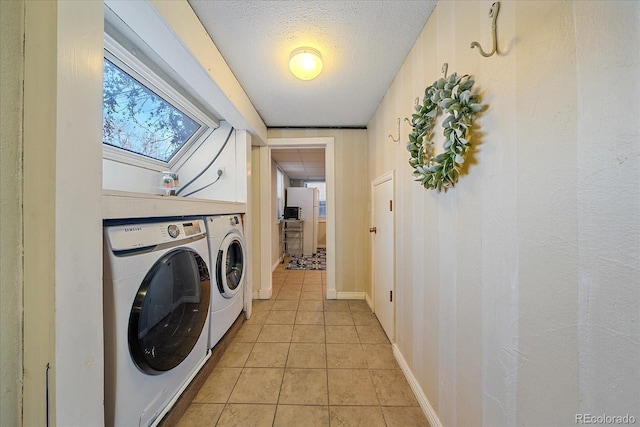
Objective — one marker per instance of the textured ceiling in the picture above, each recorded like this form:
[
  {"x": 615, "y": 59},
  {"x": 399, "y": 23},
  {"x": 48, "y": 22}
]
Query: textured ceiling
[{"x": 363, "y": 44}]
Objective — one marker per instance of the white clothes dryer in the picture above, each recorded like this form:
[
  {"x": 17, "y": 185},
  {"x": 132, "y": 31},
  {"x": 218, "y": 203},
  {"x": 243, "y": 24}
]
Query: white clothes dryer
[
  {"x": 228, "y": 261},
  {"x": 156, "y": 316}
]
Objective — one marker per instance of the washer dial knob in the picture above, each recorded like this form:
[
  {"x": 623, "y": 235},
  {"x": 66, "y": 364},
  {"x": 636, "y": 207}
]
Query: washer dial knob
[{"x": 173, "y": 230}]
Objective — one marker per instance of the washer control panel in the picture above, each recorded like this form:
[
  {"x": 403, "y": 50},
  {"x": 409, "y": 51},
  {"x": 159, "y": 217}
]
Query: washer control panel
[{"x": 125, "y": 237}]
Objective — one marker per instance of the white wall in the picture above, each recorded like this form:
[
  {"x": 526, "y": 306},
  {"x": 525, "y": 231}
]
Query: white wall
[
  {"x": 227, "y": 187},
  {"x": 257, "y": 210},
  {"x": 78, "y": 392},
  {"x": 245, "y": 194},
  {"x": 11, "y": 80},
  {"x": 518, "y": 290},
  {"x": 138, "y": 179},
  {"x": 62, "y": 263},
  {"x": 61, "y": 267},
  {"x": 608, "y": 206}
]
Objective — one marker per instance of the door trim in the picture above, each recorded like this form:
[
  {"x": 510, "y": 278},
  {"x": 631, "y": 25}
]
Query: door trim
[
  {"x": 389, "y": 176},
  {"x": 327, "y": 143}
]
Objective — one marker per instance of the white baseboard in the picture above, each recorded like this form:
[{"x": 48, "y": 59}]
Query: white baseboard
[
  {"x": 332, "y": 294},
  {"x": 265, "y": 293},
  {"x": 368, "y": 300},
  {"x": 428, "y": 410},
  {"x": 350, "y": 295},
  {"x": 278, "y": 262},
  {"x": 255, "y": 295}
]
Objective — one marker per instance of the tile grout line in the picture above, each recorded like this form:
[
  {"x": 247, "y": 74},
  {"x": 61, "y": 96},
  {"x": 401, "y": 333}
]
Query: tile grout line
[
  {"x": 326, "y": 362},
  {"x": 284, "y": 369},
  {"x": 287, "y": 359}
]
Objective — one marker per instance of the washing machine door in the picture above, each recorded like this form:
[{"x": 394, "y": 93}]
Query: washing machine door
[
  {"x": 169, "y": 311},
  {"x": 230, "y": 265}
]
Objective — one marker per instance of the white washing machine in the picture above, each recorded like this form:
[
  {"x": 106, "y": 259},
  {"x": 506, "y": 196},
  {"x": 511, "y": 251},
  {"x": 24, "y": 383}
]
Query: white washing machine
[
  {"x": 228, "y": 261},
  {"x": 156, "y": 316}
]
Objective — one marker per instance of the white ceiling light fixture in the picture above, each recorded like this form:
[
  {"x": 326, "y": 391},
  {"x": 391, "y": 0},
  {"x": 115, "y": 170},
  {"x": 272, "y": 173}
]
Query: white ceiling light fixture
[{"x": 305, "y": 63}]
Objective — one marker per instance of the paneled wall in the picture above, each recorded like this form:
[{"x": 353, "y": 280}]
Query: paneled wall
[
  {"x": 257, "y": 210},
  {"x": 322, "y": 233},
  {"x": 352, "y": 214},
  {"x": 62, "y": 209},
  {"x": 518, "y": 290},
  {"x": 11, "y": 104}
]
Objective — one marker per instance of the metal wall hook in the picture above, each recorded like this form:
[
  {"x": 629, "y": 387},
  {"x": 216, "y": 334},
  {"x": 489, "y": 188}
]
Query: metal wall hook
[
  {"x": 406, "y": 119},
  {"x": 493, "y": 14},
  {"x": 445, "y": 68},
  {"x": 391, "y": 136}
]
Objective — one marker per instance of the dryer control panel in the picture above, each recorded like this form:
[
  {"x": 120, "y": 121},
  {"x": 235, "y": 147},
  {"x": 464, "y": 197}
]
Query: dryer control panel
[
  {"x": 193, "y": 228},
  {"x": 127, "y": 237}
]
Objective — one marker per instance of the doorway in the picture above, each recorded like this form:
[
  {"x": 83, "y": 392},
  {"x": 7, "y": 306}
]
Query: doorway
[
  {"x": 300, "y": 196},
  {"x": 267, "y": 200}
]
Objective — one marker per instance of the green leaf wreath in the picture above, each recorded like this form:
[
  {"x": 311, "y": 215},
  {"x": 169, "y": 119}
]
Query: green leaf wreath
[{"x": 452, "y": 96}]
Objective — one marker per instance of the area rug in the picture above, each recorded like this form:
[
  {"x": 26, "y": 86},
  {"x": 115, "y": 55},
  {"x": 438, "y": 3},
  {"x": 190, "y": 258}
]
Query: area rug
[{"x": 315, "y": 262}]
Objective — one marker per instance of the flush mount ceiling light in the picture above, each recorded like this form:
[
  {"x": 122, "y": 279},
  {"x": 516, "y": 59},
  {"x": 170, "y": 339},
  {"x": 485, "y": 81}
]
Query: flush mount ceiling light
[{"x": 305, "y": 63}]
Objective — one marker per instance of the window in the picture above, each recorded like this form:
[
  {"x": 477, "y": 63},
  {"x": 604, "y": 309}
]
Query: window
[
  {"x": 145, "y": 120},
  {"x": 322, "y": 195},
  {"x": 280, "y": 192},
  {"x": 136, "y": 119}
]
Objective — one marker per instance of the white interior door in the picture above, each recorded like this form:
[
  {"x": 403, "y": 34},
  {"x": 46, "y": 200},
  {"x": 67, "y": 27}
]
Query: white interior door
[{"x": 383, "y": 252}]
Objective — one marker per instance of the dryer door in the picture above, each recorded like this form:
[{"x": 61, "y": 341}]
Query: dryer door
[
  {"x": 169, "y": 311},
  {"x": 230, "y": 265}
]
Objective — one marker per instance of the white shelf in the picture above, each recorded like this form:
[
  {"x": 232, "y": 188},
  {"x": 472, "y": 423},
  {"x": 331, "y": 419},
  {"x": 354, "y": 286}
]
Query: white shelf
[
  {"x": 167, "y": 190},
  {"x": 123, "y": 204}
]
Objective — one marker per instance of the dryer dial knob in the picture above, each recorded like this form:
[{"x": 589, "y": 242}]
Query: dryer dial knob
[{"x": 173, "y": 230}]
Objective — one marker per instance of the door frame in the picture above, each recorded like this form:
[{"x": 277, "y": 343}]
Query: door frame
[
  {"x": 389, "y": 176},
  {"x": 266, "y": 198}
]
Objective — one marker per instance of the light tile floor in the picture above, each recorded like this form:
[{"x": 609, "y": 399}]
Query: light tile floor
[{"x": 302, "y": 360}]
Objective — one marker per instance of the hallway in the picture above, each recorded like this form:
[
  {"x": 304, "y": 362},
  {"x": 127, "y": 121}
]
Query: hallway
[{"x": 305, "y": 361}]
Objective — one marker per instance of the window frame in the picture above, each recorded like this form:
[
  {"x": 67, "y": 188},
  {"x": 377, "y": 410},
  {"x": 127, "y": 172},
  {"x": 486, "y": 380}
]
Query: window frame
[{"x": 138, "y": 70}]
